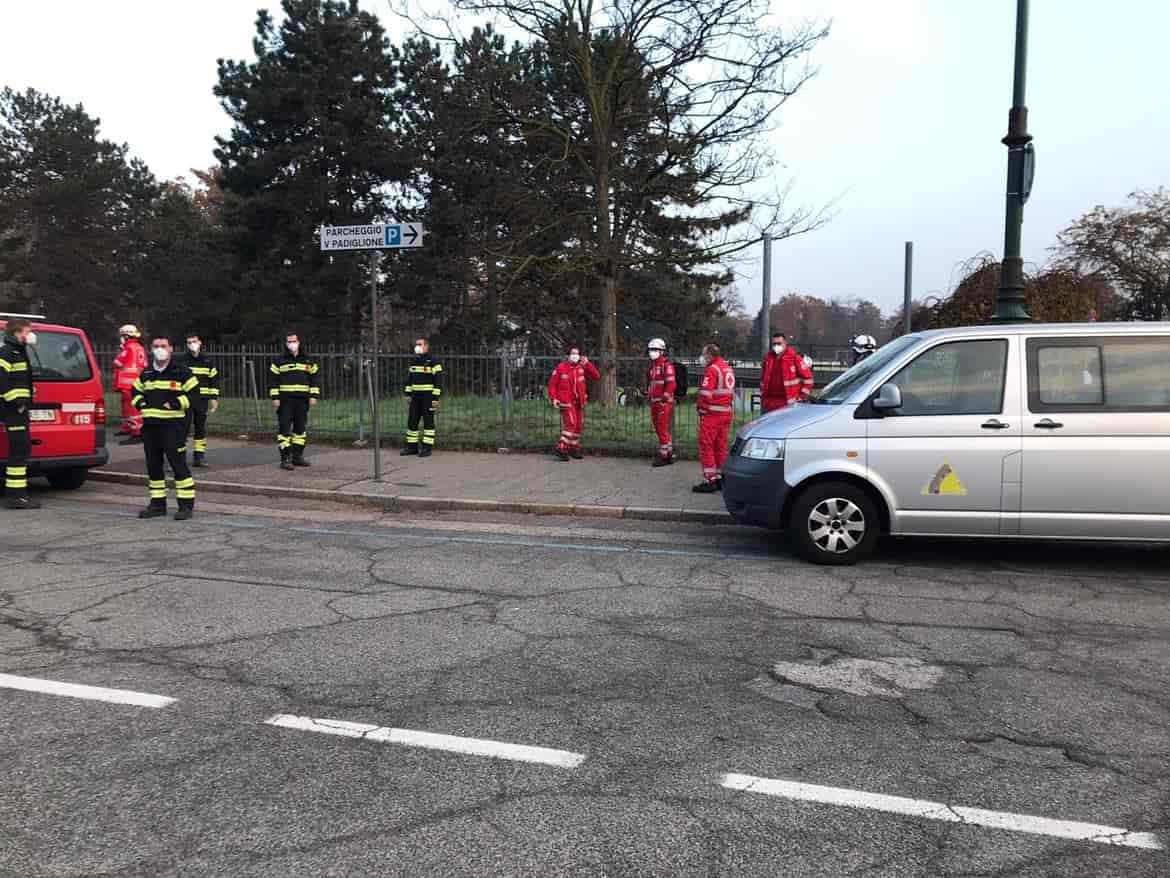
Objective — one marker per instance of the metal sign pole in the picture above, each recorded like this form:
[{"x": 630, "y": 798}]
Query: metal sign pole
[
  {"x": 375, "y": 386},
  {"x": 374, "y": 237}
]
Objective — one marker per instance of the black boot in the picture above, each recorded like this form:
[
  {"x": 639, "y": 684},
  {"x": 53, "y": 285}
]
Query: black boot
[
  {"x": 185, "y": 513},
  {"x": 21, "y": 501},
  {"x": 560, "y": 455},
  {"x": 577, "y": 454},
  {"x": 705, "y": 488},
  {"x": 285, "y": 459},
  {"x": 663, "y": 461},
  {"x": 133, "y": 440},
  {"x": 424, "y": 451},
  {"x": 408, "y": 449},
  {"x": 156, "y": 509},
  {"x": 298, "y": 456},
  {"x": 199, "y": 459}
]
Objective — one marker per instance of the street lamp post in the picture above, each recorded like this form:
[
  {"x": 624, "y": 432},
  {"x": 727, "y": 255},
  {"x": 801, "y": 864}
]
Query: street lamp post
[{"x": 1009, "y": 307}]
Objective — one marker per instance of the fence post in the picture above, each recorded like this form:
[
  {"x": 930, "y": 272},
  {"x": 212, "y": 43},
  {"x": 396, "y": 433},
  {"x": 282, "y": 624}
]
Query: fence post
[
  {"x": 358, "y": 372},
  {"x": 374, "y": 423},
  {"x": 251, "y": 364}
]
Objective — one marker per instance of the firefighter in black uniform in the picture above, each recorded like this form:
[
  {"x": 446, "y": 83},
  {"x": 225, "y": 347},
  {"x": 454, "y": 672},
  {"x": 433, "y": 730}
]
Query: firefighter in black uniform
[
  {"x": 206, "y": 400},
  {"x": 15, "y": 399},
  {"x": 293, "y": 388},
  {"x": 163, "y": 393},
  {"x": 424, "y": 387}
]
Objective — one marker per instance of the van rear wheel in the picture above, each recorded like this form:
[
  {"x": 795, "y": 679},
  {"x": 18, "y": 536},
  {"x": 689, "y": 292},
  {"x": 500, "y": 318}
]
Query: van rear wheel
[
  {"x": 67, "y": 479},
  {"x": 833, "y": 523}
]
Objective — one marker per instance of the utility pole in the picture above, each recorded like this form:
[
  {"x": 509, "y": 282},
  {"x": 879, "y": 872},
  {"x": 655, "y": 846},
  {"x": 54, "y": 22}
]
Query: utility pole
[
  {"x": 766, "y": 311},
  {"x": 907, "y": 283},
  {"x": 1009, "y": 306},
  {"x": 374, "y": 380}
]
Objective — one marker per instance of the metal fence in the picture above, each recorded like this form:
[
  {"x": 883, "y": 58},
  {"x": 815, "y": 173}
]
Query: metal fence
[{"x": 489, "y": 401}]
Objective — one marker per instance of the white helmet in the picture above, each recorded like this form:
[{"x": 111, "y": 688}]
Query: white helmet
[
  {"x": 864, "y": 344},
  {"x": 129, "y": 330},
  {"x": 656, "y": 344}
]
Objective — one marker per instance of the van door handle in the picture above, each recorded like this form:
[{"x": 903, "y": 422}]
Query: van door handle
[
  {"x": 1048, "y": 424},
  {"x": 993, "y": 424}
]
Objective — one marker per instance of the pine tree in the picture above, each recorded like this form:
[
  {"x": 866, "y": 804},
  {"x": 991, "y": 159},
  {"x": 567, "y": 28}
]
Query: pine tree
[
  {"x": 313, "y": 142},
  {"x": 72, "y": 206}
]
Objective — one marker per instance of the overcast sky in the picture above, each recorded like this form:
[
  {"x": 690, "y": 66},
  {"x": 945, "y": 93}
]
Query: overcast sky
[{"x": 902, "y": 123}]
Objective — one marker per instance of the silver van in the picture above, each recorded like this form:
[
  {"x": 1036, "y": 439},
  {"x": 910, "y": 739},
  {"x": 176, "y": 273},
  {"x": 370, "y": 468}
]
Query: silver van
[{"x": 1053, "y": 431}]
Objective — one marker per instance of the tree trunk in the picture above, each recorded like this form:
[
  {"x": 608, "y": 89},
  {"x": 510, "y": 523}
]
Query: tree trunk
[
  {"x": 608, "y": 337},
  {"x": 608, "y": 347}
]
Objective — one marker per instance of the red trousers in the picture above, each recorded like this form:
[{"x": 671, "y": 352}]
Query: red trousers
[
  {"x": 713, "y": 430},
  {"x": 572, "y": 423},
  {"x": 660, "y": 418},
  {"x": 131, "y": 417}
]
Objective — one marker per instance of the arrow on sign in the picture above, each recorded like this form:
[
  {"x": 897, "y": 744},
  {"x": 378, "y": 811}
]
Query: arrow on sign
[{"x": 409, "y": 235}]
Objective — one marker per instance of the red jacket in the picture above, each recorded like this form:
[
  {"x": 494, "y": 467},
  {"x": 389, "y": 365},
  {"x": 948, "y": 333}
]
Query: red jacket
[
  {"x": 717, "y": 392},
  {"x": 566, "y": 385},
  {"x": 661, "y": 382},
  {"x": 785, "y": 379},
  {"x": 129, "y": 363}
]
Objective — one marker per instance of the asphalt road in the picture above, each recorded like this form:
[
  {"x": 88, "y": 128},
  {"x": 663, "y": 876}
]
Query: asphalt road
[{"x": 648, "y": 666}]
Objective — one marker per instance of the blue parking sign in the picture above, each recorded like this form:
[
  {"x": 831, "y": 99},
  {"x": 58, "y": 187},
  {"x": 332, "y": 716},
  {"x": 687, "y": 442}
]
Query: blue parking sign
[{"x": 393, "y": 236}]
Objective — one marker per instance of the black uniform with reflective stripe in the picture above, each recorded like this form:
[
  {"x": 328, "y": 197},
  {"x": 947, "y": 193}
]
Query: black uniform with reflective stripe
[
  {"x": 207, "y": 375},
  {"x": 293, "y": 377},
  {"x": 426, "y": 376},
  {"x": 15, "y": 373},
  {"x": 15, "y": 398},
  {"x": 156, "y": 388}
]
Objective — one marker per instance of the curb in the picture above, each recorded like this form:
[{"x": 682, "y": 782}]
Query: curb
[{"x": 409, "y": 503}]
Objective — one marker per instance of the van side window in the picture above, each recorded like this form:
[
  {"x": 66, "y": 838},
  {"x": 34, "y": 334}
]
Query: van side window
[
  {"x": 956, "y": 378},
  {"x": 1070, "y": 376},
  {"x": 1099, "y": 374}
]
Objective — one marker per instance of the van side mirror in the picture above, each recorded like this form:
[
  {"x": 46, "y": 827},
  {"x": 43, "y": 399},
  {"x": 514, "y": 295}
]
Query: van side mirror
[{"x": 889, "y": 397}]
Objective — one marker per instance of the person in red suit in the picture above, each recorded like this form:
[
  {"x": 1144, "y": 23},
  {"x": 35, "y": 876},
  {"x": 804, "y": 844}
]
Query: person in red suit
[
  {"x": 566, "y": 389},
  {"x": 661, "y": 384},
  {"x": 128, "y": 365},
  {"x": 716, "y": 405},
  {"x": 786, "y": 377}
]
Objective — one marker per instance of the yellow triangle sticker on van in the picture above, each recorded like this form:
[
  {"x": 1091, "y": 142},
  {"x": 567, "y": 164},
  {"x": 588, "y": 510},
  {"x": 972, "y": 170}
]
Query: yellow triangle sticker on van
[{"x": 945, "y": 483}]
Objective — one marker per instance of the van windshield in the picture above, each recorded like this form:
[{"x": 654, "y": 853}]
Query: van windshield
[
  {"x": 839, "y": 390},
  {"x": 59, "y": 356}
]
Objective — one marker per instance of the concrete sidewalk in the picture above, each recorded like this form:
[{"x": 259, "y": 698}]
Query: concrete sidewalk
[{"x": 536, "y": 483}]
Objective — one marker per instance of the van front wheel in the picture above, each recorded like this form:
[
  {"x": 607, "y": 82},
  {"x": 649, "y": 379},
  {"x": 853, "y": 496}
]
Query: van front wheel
[{"x": 833, "y": 523}]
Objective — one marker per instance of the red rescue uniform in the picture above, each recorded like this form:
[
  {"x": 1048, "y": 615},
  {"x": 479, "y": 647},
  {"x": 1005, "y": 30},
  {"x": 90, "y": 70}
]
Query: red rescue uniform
[
  {"x": 716, "y": 406},
  {"x": 661, "y": 385},
  {"x": 566, "y": 388},
  {"x": 785, "y": 380},
  {"x": 128, "y": 366}
]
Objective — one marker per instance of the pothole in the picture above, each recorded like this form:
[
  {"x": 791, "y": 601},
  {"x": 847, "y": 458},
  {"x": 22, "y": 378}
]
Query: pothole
[{"x": 888, "y": 677}]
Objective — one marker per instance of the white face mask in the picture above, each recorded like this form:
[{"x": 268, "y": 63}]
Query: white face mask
[
  {"x": 31, "y": 338},
  {"x": 294, "y": 348},
  {"x": 194, "y": 348},
  {"x": 654, "y": 355},
  {"x": 418, "y": 349},
  {"x": 574, "y": 358},
  {"x": 777, "y": 349},
  {"x": 161, "y": 355}
]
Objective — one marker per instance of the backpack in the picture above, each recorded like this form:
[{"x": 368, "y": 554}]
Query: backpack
[{"x": 680, "y": 380}]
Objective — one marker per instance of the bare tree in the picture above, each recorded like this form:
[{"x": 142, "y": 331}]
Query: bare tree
[
  {"x": 669, "y": 104},
  {"x": 1128, "y": 245}
]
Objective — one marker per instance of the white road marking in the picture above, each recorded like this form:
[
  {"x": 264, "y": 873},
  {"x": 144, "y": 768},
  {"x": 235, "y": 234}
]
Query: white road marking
[
  {"x": 428, "y": 740},
  {"x": 91, "y": 693},
  {"x": 847, "y": 798}
]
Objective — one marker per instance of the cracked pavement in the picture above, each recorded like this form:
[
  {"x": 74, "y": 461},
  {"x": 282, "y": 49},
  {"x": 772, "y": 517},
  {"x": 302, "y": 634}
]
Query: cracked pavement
[{"x": 578, "y": 635}]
